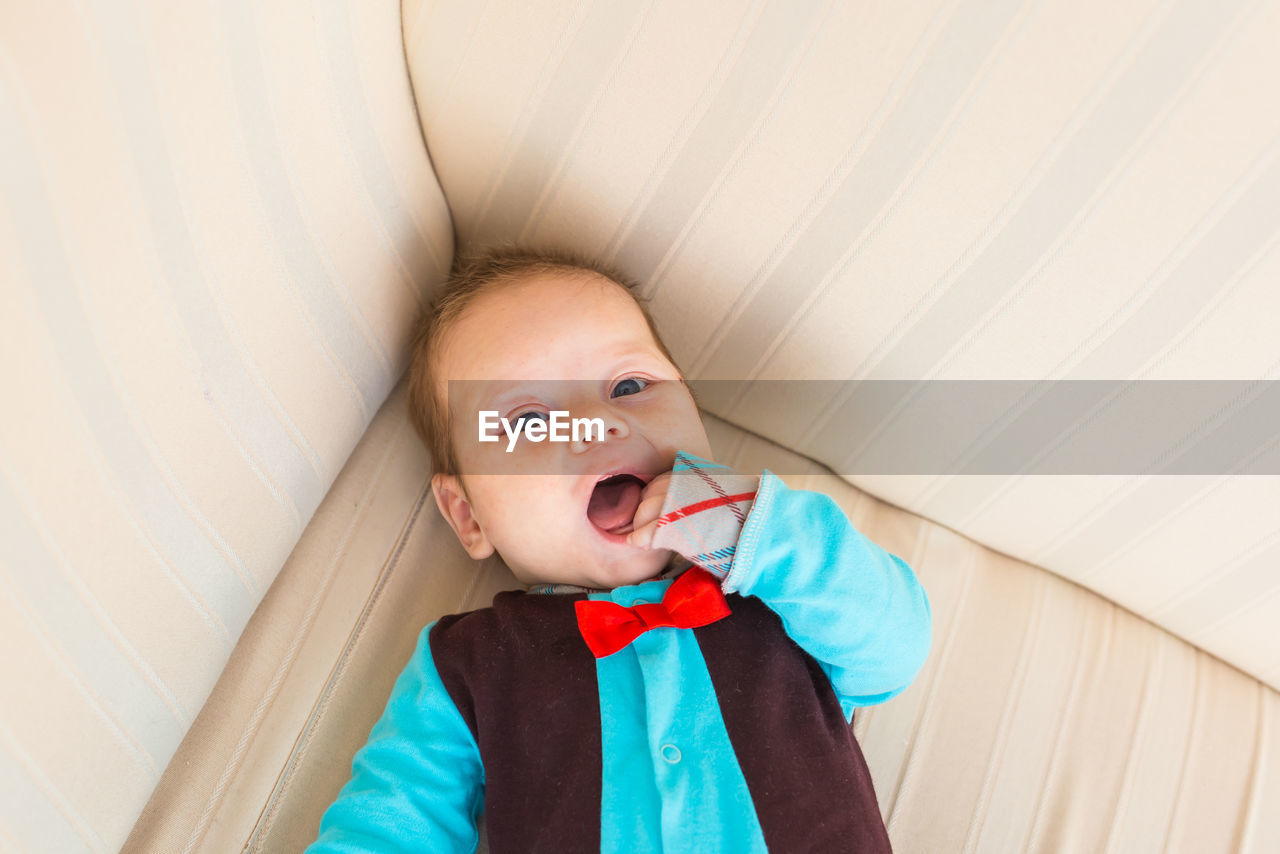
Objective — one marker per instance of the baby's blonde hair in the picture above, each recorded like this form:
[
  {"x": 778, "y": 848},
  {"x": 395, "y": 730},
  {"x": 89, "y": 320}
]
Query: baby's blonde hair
[{"x": 472, "y": 275}]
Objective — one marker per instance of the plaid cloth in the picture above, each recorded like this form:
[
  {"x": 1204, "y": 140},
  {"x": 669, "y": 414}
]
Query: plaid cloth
[{"x": 706, "y": 506}]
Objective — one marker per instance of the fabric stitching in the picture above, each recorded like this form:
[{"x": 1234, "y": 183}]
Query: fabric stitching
[
  {"x": 320, "y": 709},
  {"x": 742, "y": 566}
]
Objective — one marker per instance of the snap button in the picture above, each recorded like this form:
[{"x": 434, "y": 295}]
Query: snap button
[{"x": 671, "y": 753}]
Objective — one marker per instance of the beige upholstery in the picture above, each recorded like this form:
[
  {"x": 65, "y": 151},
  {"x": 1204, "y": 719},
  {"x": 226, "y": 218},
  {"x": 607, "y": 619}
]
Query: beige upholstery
[{"x": 218, "y": 224}]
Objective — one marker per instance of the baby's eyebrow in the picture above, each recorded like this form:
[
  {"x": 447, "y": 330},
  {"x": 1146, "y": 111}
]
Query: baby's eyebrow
[
  {"x": 496, "y": 395},
  {"x": 483, "y": 394}
]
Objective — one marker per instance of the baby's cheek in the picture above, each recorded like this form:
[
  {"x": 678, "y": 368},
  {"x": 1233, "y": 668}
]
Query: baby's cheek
[
  {"x": 549, "y": 535},
  {"x": 528, "y": 518}
]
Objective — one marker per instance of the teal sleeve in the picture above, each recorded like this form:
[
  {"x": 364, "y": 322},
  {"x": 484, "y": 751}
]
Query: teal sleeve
[
  {"x": 417, "y": 784},
  {"x": 853, "y": 606}
]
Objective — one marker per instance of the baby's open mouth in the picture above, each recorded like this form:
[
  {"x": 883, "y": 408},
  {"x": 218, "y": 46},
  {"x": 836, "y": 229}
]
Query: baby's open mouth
[{"x": 613, "y": 503}]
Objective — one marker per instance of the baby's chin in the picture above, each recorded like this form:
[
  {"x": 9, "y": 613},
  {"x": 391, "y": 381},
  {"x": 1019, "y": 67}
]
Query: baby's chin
[
  {"x": 653, "y": 562},
  {"x": 633, "y": 569}
]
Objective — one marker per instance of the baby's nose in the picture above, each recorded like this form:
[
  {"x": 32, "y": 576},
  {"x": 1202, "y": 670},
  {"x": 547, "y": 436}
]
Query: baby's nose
[{"x": 600, "y": 424}]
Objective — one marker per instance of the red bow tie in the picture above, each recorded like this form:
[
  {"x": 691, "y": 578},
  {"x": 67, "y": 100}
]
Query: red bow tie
[{"x": 694, "y": 599}]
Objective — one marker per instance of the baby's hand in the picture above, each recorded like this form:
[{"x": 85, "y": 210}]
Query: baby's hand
[{"x": 645, "y": 523}]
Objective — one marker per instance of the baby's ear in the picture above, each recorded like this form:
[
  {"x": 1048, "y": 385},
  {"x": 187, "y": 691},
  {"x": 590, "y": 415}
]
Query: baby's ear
[{"x": 456, "y": 509}]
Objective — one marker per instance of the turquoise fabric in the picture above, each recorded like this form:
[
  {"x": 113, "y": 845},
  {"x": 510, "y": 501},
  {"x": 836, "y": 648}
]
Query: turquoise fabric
[{"x": 853, "y": 606}]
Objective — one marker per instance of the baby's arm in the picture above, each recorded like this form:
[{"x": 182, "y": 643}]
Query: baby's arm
[
  {"x": 417, "y": 784},
  {"x": 854, "y": 607}
]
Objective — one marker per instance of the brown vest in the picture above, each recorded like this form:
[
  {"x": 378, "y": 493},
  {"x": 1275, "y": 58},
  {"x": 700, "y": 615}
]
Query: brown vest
[{"x": 525, "y": 683}]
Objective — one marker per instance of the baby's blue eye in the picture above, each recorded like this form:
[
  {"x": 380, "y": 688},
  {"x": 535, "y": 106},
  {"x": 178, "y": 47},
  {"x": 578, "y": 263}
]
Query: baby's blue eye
[{"x": 630, "y": 385}]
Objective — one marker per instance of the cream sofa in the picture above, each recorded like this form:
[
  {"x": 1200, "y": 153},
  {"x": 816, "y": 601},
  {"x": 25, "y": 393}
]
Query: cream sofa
[{"x": 220, "y": 222}]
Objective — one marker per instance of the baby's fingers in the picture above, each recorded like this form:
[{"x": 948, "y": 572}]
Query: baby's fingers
[
  {"x": 651, "y": 500},
  {"x": 648, "y": 510},
  {"x": 642, "y": 537},
  {"x": 645, "y": 520}
]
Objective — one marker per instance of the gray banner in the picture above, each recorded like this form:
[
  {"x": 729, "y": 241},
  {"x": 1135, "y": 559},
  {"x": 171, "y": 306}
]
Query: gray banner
[{"x": 988, "y": 427}]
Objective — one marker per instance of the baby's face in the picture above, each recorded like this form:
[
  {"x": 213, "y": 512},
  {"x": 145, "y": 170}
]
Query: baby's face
[{"x": 567, "y": 342}]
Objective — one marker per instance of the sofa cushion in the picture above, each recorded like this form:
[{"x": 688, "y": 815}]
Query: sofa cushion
[
  {"x": 217, "y": 222},
  {"x": 1045, "y": 718},
  {"x": 921, "y": 191}
]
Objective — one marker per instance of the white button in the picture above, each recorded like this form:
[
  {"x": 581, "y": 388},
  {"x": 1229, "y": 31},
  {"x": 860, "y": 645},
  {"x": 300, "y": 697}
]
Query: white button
[
  {"x": 640, "y": 602},
  {"x": 671, "y": 753}
]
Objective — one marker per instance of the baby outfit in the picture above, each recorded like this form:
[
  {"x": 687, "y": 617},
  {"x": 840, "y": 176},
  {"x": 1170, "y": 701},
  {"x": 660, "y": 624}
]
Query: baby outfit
[{"x": 704, "y": 711}]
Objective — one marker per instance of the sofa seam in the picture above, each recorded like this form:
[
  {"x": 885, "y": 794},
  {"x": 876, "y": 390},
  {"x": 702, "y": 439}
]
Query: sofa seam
[{"x": 319, "y": 709}]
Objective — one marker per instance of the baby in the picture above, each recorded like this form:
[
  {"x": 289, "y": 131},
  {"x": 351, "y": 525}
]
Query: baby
[{"x": 682, "y": 672}]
